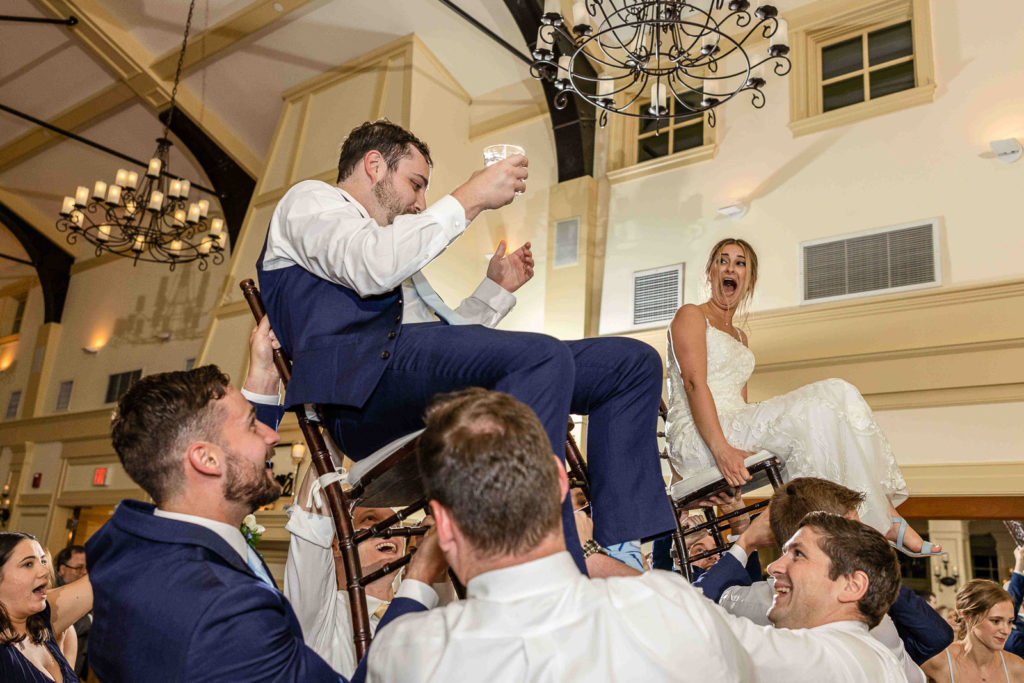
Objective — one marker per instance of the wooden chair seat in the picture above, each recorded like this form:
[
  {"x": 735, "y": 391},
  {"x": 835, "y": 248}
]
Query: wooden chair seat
[{"x": 389, "y": 477}]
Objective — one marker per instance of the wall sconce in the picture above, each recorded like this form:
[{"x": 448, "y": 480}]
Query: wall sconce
[
  {"x": 734, "y": 211},
  {"x": 298, "y": 452},
  {"x": 164, "y": 336},
  {"x": 1007, "y": 151},
  {"x": 944, "y": 577},
  {"x": 93, "y": 350}
]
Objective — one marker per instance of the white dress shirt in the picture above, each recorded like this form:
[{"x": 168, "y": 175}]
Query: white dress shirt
[
  {"x": 323, "y": 229},
  {"x": 310, "y": 584},
  {"x": 752, "y": 603},
  {"x": 544, "y": 621}
]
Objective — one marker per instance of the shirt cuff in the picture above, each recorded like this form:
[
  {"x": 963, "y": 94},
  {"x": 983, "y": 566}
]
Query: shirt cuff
[
  {"x": 495, "y": 296},
  {"x": 311, "y": 527},
  {"x": 739, "y": 553},
  {"x": 418, "y": 591},
  {"x": 263, "y": 399},
  {"x": 450, "y": 215}
]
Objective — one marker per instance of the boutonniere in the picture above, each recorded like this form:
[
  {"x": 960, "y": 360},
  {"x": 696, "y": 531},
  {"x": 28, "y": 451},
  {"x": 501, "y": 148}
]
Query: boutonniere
[{"x": 252, "y": 531}]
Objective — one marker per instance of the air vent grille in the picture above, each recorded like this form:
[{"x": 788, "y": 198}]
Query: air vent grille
[{"x": 657, "y": 294}]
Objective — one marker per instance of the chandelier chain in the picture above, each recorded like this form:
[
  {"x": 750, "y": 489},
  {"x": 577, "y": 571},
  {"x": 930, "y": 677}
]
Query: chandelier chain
[{"x": 181, "y": 62}]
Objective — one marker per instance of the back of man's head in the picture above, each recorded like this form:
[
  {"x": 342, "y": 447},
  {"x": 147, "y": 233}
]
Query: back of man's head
[
  {"x": 391, "y": 140},
  {"x": 158, "y": 418},
  {"x": 486, "y": 458},
  {"x": 851, "y": 547},
  {"x": 793, "y": 501}
]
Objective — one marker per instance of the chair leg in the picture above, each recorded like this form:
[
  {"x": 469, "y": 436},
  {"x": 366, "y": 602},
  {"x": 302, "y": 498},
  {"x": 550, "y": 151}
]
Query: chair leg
[
  {"x": 577, "y": 465},
  {"x": 680, "y": 545},
  {"x": 338, "y": 503},
  {"x": 716, "y": 533},
  {"x": 774, "y": 476}
]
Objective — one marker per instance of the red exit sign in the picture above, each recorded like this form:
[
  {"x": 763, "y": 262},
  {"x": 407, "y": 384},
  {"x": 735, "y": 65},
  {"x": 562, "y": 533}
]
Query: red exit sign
[{"x": 99, "y": 476}]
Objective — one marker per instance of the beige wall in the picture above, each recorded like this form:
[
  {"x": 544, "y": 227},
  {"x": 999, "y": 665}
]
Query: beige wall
[{"x": 928, "y": 161}]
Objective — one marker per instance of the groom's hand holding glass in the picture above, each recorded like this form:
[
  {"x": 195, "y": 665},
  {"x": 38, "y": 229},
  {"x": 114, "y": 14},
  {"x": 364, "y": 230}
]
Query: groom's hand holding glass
[{"x": 494, "y": 186}]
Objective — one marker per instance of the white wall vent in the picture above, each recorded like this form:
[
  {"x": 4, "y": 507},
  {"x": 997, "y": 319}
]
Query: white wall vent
[
  {"x": 892, "y": 259},
  {"x": 567, "y": 242},
  {"x": 657, "y": 294}
]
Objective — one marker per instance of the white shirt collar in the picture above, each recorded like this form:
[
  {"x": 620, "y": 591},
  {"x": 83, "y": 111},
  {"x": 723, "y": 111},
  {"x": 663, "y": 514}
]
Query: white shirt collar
[
  {"x": 362, "y": 209},
  {"x": 850, "y": 626},
  {"x": 231, "y": 535},
  {"x": 545, "y": 575}
]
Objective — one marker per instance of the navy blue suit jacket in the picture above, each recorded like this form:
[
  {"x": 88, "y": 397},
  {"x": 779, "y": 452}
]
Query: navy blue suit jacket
[
  {"x": 728, "y": 572},
  {"x": 174, "y": 602},
  {"x": 1015, "y": 643}
]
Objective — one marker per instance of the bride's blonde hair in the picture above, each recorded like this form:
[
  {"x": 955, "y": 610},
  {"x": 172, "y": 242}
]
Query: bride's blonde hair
[{"x": 751, "y": 279}]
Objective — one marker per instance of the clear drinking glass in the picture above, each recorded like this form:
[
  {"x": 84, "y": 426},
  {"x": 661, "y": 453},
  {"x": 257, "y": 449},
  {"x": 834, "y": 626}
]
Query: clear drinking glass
[{"x": 495, "y": 153}]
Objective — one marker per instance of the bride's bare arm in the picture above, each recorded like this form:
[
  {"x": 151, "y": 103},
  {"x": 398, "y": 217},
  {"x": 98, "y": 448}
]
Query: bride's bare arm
[{"x": 690, "y": 347}]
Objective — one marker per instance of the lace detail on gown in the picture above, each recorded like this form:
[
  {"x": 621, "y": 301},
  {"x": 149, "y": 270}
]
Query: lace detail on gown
[{"x": 825, "y": 429}]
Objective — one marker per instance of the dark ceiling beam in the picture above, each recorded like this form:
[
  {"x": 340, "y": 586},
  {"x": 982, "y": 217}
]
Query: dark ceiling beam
[
  {"x": 52, "y": 264},
  {"x": 230, "y": 181},
  {"x": 573, "y": 126}
]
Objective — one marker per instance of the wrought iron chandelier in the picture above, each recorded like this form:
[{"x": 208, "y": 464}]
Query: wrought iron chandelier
[
  {"x": 148, "y": 218},
  {"x": 696, "y": 51}
]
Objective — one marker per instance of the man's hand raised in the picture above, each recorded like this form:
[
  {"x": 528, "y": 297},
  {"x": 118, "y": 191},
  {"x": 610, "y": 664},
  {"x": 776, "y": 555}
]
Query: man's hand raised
[
  {"x": 757, "y": 535},
  {"x": 511, "y": 271},
  {"x": 493, "y": 187},
  {"x": 428, "y": 564}
]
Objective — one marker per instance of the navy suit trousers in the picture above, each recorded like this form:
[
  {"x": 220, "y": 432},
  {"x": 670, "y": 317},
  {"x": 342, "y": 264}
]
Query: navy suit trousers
[{"x": 616, "y": 381}]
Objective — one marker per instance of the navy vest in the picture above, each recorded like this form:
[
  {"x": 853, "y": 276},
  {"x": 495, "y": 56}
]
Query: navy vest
[{"x": 340, "y": 343}]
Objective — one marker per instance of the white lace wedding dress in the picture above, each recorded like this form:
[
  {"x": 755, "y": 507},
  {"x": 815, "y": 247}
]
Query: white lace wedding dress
[{"x": 824, "y": 429}]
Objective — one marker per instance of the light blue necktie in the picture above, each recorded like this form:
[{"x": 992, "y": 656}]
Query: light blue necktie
[
  {"x": 433, "y": 299},
  {"x": 253, "y": 560}
]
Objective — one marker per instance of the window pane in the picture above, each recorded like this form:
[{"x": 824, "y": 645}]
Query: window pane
[
  {"x": 892, "y": 79},
  {"x": 841, "y": 58},
  {"x": 688, "y": 137},
  {"x": 652, "y": 147},
  {"x": 842, "y": 93},
  {"x": 890, "y": 43}
]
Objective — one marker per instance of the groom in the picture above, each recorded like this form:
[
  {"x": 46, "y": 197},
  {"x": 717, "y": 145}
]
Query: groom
[{"x": 372, "y": 342}]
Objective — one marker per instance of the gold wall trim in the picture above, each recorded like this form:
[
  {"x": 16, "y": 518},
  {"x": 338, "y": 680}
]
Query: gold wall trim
[
  {"x": 101, "y": 496},
  {"x": 93, "y": 423},
  {"x": 965, "y": 479},
  {"x": 513, "y": 119},
  {"x": 896, "y": 354},
  {"x": 662, "y": 164},
  {"x": 399, "y": 47},
  {"x": 33, "y": 499}
]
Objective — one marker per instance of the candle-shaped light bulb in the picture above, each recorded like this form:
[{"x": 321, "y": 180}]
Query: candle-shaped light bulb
[
  {"x": 156, "y": 200},
  {"x": 186, "y": 185},
  {"x": 139, "y": 244},
  {"x": 114, "y": 194},
  {"x": 659, "y": 95},
  {"x": 222, "y": 240},
  {"x": 99, "y": 190},
  {"x": 605, "y": 88},
  {"x": 130, "y": 207},
  {"x": 121, "y": 178},
  {"x": 781, "y": 35},
  {"x": 193, "y": 213},
  {"x": 204, "y": 207},
  {"x": 204, "y": 246},
  {"x": 708, "y": 42},
  {"x": 81, "y": 195},
  {"x": 175, "y": 247},
  {"x": 217, "y": 226},
  {"x": 174, "y": 190},
  {"x": 563, "y": 68},
  {"x": 68, "y": 206},
  {"x": 580, "y": 15},
  {"x": 544, "y": 38},
  {"x": 77, "y": 217},
  {"x": 552, "y": 6},
  {"x": 154, "y": 168},
  {"x": 179, "y": 217},
  {"x": 104, "y": 233},
  {"x": 132, "y": 180}
]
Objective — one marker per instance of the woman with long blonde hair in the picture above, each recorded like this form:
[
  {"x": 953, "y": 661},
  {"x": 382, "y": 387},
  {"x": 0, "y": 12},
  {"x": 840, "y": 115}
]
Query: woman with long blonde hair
[
  {"x": 824, "y": 429},
  {"x": 984, "y": 612}
]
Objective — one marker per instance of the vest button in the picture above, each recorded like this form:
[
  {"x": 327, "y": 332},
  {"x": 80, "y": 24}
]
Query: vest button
[
  {"x": 385, "y": 355},
  {"x": 392, "y": 334},
  {"x": 398, "y": 318}
]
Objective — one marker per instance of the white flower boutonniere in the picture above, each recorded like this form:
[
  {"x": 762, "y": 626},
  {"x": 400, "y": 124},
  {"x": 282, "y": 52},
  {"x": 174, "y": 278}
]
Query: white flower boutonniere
[{"x": 252, "y": 531}]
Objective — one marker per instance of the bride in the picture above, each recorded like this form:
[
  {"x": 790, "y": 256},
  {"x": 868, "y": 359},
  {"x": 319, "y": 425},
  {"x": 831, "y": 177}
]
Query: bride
[{"x": 824, "y": 429}]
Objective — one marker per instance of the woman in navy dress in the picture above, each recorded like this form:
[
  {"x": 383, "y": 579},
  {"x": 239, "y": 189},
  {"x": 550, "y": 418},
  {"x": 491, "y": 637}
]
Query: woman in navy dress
[{"x": 30, "y": 613}]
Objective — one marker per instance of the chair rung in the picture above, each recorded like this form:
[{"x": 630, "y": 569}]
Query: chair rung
[{"x": 387, "y": 569}]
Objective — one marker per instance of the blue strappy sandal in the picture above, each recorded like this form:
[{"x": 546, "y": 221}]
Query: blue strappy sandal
[{"x": 926, "y": 546}]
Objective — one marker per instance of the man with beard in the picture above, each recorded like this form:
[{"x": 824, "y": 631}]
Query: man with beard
[
  {"x": 372, "y": 342},
  {"x": 180, "y": 594}
]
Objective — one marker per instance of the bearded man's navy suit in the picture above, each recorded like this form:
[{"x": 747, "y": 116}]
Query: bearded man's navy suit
[
  {"x": 373, "y": 373},
  {"x": 174, "y": 602}
]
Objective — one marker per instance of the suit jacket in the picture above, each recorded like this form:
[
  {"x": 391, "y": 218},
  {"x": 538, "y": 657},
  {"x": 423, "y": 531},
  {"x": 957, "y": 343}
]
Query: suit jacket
[
  {"x": 1015, "y": 643},
  {"x": 728, "y": 572},
  {"x": 174, "y": 602}
]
